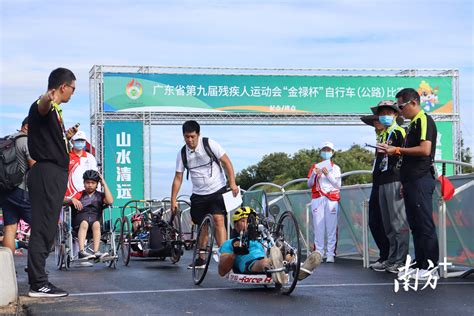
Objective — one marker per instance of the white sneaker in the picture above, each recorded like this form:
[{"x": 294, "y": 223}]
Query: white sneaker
[
  {"x": 424, "y": 275},
  {"x": 216, "y": 255},
  {"x": 330, "y": 259},
  {"x": 379, "y": 266},
  {"x": 306, "y": 269},
  {"x": 410, "y": 273},
  {"x": 277, "y": 262}
]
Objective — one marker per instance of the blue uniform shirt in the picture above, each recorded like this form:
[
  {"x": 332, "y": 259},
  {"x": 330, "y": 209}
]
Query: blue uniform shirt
[{"x": 256, "y": 251}]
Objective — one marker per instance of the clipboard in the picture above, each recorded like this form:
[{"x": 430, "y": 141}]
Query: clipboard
[
  {"x": 375, "y": 147},
  {"x": 231, "y": 202}
]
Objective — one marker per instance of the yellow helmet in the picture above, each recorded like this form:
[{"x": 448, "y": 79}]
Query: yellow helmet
[{"x": 242, "y": 212}]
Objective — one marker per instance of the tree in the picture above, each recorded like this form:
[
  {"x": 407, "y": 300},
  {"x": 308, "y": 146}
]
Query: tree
[
  {"x": 280, "y": 168},
  {"x": 356, "y": 158}
]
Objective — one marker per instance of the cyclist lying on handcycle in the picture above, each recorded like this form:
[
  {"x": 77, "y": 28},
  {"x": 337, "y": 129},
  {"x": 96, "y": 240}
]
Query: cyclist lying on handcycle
[
  {"x": 87, "y": 209},
  {"x": 246, "y": 255}
]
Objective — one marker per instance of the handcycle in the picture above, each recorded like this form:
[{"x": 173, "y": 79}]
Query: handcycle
[
  {"x": 282, "y": 233},
  {"x": 188, "y": 228},
  {"x": 148, "y": 230},
  {"x": 66, "y": 244}
]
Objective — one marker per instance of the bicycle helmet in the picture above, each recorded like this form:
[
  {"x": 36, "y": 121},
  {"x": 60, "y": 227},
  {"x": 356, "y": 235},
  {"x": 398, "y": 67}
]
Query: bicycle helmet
[
  {"x": 242, "y": 212},
  {"x": 137, "y": 217},
  {"x": 91, "y": 175}
]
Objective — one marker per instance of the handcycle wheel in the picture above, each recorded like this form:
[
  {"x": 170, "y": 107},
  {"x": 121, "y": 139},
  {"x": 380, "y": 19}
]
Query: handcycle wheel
[
  {"x": 59, "y": 248},
  {"x": 115, "y": 243},
  {"x": 203, "y": 248},
  {"x": 177, "y": 241},
  {"x": 125, "y": 240},
  {"x": 287, "y": 238},
  {"x": 189, "y": 243},
  {"x": 67, "y": 261}
]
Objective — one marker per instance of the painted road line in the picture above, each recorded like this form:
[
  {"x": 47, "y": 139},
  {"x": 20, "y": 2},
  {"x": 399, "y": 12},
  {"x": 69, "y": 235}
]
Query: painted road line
[{"x": 235, "y": 288}]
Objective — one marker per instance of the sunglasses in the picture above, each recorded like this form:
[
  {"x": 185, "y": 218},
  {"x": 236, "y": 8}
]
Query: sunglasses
[
  {"x": 402, "y": 105},
  {"x": 73, "y": 88}
]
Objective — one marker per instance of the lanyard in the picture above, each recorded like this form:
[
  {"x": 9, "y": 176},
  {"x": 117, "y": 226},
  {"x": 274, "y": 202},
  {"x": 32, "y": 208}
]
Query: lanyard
[
  {"x": 404, "y": 145},
  {"x": 390, "y": 132},
  {"x": 384, "y": 163},
  {"x": 59, "y": 116}
]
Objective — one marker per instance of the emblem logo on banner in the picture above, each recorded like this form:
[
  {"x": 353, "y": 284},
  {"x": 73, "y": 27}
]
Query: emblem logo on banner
[{"x": 134, "y": 89}]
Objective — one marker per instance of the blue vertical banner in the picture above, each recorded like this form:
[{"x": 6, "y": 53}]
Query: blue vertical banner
[{"x": 123, "y": 160}]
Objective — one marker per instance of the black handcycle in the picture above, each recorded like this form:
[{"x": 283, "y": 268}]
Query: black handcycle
[{"x": 149, "y": 230}]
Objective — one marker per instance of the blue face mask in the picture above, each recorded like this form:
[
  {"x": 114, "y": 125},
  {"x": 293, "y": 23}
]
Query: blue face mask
[
  {"x": 326, "y": 155},
  {"x": 386, "y": 120},
  {"x": 79, "y": 144}
]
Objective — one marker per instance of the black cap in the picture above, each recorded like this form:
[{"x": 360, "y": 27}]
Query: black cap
[{"x": 25, "y": 121}]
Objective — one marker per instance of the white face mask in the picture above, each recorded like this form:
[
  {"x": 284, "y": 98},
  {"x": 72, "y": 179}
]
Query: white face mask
[
  {"x": 326, "y": 155},
  {"x": 79, "y": 144}
]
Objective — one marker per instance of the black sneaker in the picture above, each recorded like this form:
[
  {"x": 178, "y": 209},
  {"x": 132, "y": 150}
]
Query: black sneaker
[
  {"x": 199, "y": 264},
  {"x": 99, "y": 255},
  {"x": 47, "y": 290},
  {"x": 83, "y": 255}
]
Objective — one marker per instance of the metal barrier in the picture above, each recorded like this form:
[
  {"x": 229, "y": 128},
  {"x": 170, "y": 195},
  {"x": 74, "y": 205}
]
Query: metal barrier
[
  {"x": 354, "y": 237},
  {"x": 356, "y": 223},
  {"x": 443, "y": 214}
]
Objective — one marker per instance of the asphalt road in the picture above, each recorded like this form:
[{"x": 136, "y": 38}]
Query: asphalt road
[{"x": 162, "y": 288}]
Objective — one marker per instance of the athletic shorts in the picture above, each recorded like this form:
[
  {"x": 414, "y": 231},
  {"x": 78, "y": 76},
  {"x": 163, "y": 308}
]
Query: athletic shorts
[
  {"x": 16, "y": 206},
  {"x": 201, "y": 205},
  {"x": 89, "y": 217}
]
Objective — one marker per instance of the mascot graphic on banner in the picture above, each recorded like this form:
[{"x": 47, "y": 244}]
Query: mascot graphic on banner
[{"x": 428, "y": 96}]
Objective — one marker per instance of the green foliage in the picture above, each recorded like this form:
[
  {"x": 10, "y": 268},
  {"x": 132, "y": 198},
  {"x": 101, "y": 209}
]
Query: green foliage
[
  {"x": 280, "y": 168},
  {"x": 356, "y": 158},
  {"x": 466, "y": 156}
]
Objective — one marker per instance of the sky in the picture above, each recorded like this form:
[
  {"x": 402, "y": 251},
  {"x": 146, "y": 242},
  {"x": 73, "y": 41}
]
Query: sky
[{"x": 39, "y": 36}]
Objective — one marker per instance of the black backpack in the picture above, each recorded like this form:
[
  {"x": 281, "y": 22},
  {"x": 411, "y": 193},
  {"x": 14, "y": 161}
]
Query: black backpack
[
  {"x": 10, "y": 173},
  {"x": 207, "y": 148}
]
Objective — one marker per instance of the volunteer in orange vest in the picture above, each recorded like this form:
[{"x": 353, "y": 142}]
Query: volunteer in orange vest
[
  {"x": 324, "y": 179},
  {"x": 79, "y": 162}
]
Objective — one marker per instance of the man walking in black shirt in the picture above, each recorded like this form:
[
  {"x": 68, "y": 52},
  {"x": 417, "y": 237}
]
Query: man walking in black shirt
[
  {"x": 417, "y": 175},
  {"x": 48, "y": 143}
]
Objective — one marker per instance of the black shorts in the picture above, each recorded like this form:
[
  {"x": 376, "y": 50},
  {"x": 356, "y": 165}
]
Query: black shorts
[
  {"x": 89, "y": 217},
  {"x": 17, "y": 206},
  {"x": 201, "y": 205}
]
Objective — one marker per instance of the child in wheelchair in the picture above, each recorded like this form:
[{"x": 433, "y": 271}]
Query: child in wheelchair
[
  {"x": 246, "y": 255},
  {"x": 87, "y": 207}
]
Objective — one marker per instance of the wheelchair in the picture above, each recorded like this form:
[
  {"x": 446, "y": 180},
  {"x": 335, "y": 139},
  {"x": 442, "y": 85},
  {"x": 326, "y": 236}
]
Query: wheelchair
[
  {"x": 148, "y": 230},
  {"x": 270, "y": 230},
  {"x": 66, "y": 244}
]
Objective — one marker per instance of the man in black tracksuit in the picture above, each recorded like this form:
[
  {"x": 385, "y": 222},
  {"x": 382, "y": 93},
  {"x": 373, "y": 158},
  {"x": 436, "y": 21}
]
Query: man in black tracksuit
[{"x": 47, "y": 180}]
